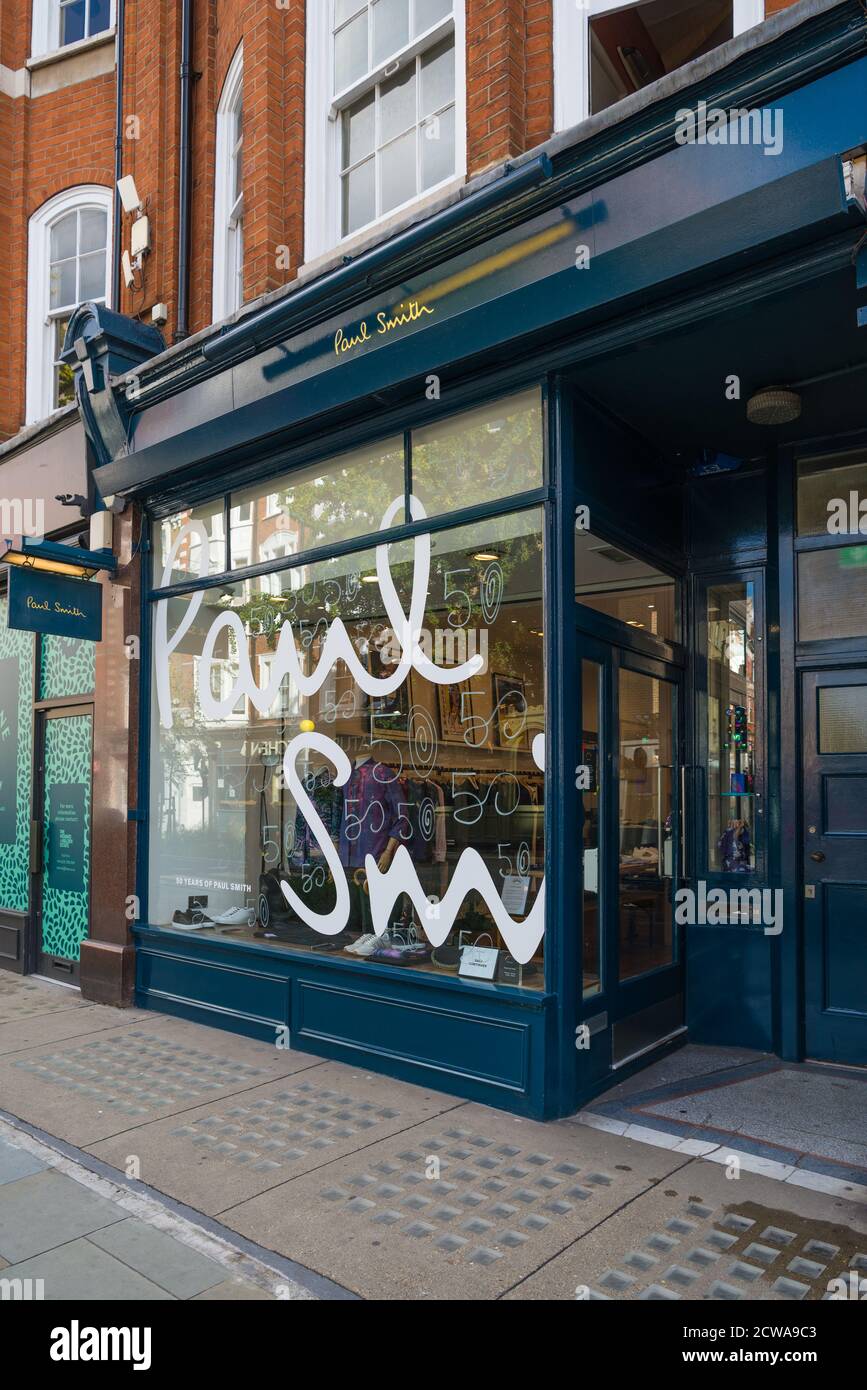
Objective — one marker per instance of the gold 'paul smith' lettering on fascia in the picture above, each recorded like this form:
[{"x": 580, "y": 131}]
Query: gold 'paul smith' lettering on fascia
[
  {"x": 385, "y": 323},
  {"x": 58, "y": 607}
]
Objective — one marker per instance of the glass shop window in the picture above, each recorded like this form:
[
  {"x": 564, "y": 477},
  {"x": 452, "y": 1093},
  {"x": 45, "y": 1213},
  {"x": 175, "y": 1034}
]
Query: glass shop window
[
  {"x": 832, "y": 495},
  {"x": 633, "y": 45},
  {"x": 479, "y": 456},
  {"x": 316, "y": 788},
  {"x": 190, "y": 545},
  {"x": 321, "y": 505},
  {"x": 615, "y": 583},
  {"x": 731, "y": 727}
]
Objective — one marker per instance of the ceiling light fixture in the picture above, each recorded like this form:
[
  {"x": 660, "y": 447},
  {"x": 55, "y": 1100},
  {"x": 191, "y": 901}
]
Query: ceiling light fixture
[{"x": 773, "y": 405}]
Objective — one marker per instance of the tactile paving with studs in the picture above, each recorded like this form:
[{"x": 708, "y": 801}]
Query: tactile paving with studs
[
  {"x": 270, "y": 1133},
  {"x": 728, "y": 1254},
  {"x": 468, "y": 1195},
  {"x": 140, "y": 1073}
]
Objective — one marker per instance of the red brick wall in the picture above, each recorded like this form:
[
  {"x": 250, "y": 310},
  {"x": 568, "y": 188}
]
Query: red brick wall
[
  {"x": 509, "y": 78},
  {"x": 47, "y": 143},
  {"x": 57, "y": 140}
]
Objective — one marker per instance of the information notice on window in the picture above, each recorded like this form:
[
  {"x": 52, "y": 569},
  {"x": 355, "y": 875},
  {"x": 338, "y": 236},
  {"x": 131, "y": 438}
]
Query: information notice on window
[{"x": 67, "y": 866}]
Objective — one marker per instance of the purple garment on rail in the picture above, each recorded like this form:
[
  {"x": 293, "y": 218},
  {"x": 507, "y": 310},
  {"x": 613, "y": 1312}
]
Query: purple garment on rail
[{"x": 374, "y": 812}]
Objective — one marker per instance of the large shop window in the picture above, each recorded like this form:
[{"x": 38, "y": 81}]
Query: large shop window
[
  {"x": 605, "y": 49},
  {"x": 622, "y": 586},
  {"x": 385, "y": 110},
  {"x": 348, "y": 751}
]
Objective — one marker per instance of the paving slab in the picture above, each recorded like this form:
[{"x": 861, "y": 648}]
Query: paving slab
[
  {"x": 703, "y": 1235},
  {"x": 38, "y": 1029},
  {"x": 106, "y": 1238},
  {"x": 167, "y": 1262},
  {"x": 91, "y": 1088},
  {"x": 16, "y": 1162},
  {"x": 215, "y": 1156},
  {"x": 23, "y": 997},
  {"x": 461, "y": 1207},
  {"x": 82, "y": 1273},
  {"x": 47, "y": 1209}
]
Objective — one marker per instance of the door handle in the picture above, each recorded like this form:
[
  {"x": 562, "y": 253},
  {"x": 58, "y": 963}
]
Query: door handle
[{"x": 818, "y": 857}]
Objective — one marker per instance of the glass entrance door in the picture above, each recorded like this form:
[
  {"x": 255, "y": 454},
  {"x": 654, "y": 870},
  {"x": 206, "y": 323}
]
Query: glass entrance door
[
  {"x": 631, "y": 847},
  {"x": 61, "y": 845}
]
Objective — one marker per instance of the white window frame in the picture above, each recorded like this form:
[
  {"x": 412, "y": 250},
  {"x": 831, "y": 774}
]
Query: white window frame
[
  {"x": 45, "y": 29},
  {"x": 40, "y": 324},
  {"x": 228, "y": 270},
  {"x": 322, "y": 201},
  {"x": 572, "y": 50}
]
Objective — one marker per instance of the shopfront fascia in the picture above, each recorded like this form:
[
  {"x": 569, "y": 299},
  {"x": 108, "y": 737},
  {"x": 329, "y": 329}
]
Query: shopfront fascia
[{"x": 401, "y": 386}]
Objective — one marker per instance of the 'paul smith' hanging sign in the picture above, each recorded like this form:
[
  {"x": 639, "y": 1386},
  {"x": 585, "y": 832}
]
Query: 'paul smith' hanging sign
[
  {"x": 52, "y": 603},
  {"x": 384, "y": 324}
]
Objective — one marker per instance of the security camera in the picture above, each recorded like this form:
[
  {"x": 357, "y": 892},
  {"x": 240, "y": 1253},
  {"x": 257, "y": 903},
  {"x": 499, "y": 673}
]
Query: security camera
[
  {"x": 70, "y": 499},
  {"x": 128, "y": 271},
  {"x": 129, "y": 194}
]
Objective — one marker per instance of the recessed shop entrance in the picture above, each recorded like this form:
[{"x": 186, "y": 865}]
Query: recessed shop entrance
[{"x": 631, "y": 789}]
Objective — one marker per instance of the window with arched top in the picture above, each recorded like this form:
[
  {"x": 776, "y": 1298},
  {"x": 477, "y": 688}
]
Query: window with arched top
[
  {"x": 69, "y": 263},
  {"x": 228, "y": 286}
]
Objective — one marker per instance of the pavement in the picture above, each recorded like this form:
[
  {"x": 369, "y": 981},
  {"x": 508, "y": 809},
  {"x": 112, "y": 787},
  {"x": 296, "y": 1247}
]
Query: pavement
[{"x": 145, "y": 1157}]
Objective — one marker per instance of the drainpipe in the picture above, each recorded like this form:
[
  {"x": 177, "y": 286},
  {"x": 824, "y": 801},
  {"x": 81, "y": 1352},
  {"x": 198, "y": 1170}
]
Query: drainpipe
[
  {"x": 182, "y": 325},
  {"x": 118, "y": 153}
]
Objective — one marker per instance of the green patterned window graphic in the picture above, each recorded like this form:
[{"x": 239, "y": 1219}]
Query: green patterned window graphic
[
  {"x": 16, "y": 763},
  {"x": 67, "y": 666},
  {"x": 66, "y": 866}
]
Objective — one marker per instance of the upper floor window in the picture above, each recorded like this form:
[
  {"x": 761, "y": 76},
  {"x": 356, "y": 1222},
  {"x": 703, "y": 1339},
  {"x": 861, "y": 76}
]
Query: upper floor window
[
  {"x": 604, "y": 49},
  {"x": 229, "y": 194},
  {"x": 57, "y": 23},
  {"x": 69, "y": 263},
  {"x": 386, "y": 110}
]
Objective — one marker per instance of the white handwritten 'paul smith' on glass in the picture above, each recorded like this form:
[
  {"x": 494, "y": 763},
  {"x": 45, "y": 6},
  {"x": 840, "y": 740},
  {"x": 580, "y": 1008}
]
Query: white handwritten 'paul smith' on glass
[{"x": 491, "y": 773}]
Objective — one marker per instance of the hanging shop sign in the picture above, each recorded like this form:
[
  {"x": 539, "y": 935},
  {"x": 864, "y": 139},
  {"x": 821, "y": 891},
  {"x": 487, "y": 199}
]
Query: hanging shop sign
[{"x": 51, "y": 603}]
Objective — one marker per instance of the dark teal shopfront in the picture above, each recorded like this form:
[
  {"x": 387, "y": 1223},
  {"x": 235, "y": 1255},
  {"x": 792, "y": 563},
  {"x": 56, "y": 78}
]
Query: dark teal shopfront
[{"x": 504, "y": 715}]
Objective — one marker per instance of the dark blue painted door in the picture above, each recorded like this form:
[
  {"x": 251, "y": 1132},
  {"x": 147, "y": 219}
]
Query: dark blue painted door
[{"x": 835, "y": 864}]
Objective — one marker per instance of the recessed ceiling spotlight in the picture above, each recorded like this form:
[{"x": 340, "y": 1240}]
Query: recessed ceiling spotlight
[
  {"x": 485, "y": 555},
  {"x": 773, "y": 405}
]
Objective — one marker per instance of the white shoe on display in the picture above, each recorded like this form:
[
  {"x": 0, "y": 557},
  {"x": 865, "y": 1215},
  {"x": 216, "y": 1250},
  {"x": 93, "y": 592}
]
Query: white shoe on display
[
  {"x": 233, "y": 917},
  {"x": 366, "y": 945}
]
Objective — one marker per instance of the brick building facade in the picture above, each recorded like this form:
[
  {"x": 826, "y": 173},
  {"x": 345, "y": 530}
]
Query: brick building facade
[{"x": 58, "y": 130}]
